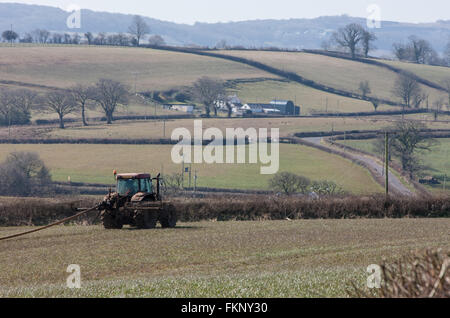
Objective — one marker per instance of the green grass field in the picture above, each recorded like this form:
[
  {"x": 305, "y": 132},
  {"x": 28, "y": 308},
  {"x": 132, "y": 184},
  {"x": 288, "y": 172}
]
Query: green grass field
[
  {"x": 95, "y": 163},
  {"x": 335, "y": 72},
  {"x": 316, "y": 258}
]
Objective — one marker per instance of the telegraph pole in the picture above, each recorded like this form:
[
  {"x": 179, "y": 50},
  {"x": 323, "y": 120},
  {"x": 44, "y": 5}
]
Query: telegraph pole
[{"x": 386, "y": 137}]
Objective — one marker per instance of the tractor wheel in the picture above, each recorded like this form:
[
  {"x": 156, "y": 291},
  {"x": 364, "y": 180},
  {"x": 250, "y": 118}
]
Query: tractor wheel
[
  {"x": 168, "y": 216},
  {"x": 145, "y": 220},
  {"x": 111, "y": 221}
]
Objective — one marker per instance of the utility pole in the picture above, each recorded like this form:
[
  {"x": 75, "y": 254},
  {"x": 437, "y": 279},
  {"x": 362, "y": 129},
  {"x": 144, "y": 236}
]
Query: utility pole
[
  {"x": 386, "y": 146},
  {"x": 190, "y": 175},
  {"x": 164, "y": 123},
  {"x": 195, "y": 182},
  {"x": 182, "y": 173}
]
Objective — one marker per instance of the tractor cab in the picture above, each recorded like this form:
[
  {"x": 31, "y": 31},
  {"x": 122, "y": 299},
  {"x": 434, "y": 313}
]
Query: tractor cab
[
  {"x": 132, "y": 183},
  {"x": 137, "y": 202}
]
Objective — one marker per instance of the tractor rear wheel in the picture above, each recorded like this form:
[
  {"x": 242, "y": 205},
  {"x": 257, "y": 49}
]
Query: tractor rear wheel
[
  {"x": 145, "y": 220},
  {"x": 168, "y": 216},
  {"x": 112, "y": 221}
]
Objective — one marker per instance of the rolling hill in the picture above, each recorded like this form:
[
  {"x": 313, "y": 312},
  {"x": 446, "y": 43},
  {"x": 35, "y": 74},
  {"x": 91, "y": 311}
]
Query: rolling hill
[{"x": 293, "y": 33}]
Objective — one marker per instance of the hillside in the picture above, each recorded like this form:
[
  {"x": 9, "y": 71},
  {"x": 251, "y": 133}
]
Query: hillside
[
  {"x": 157, "y": 70},
  {"x": 293, "y": 33},
  {"x": 154, "y": 70},
  {"x": 343, "y": 74}
]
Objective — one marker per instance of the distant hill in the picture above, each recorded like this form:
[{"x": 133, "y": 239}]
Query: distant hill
[{"x": 293, "y": 33}]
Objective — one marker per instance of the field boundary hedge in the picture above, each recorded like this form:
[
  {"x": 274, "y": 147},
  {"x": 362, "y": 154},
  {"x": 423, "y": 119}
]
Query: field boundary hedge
[{"x": 20, "y": 212}]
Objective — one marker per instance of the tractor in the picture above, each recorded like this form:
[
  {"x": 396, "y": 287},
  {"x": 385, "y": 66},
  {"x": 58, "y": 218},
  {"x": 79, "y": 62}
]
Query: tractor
[{"x": 136, "y": 202}]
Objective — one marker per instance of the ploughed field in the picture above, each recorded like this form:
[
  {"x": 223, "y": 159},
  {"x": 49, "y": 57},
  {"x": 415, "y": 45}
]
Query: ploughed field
[{"x": 305, "y": 258}]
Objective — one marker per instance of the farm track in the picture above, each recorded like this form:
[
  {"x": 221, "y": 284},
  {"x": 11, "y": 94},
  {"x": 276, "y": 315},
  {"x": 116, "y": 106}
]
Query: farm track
[{"x": 374, "y": 167}]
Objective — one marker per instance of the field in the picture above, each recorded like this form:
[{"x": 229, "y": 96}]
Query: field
[
  {"x": 95, "y": 163},
  {"x": 334, "y": 72},
  {"x": 436, "y": 161},
  {"x": 311, "y": 100},
  {"x": 287, "y": 126},
  {"x": 211, "y": 259},
  {"x": 149, "y": 69},
  {"x": 435, "y": 74},
  {"x": 153, "y": 70}
]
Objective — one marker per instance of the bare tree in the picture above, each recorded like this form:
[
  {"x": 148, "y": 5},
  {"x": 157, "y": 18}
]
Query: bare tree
[
  {"x": 24, "y": 174},
  {"x": 57, "y": 38},
  {"x": 208, "y": 91},
  {"x": 446, "y": 85},
  {"x": 60, "y": 103},
  {"x": 41, "y": 36},
  {"x": 375, "y": 103},
  {"x": 437, "y": 107},
  {"x": 138, "y": 28},
  {"x": 109, "y": 94},
  {"x": 367, "y": 39},
  {"x": 25, "y": 100},
  {"x": 407, "y": 142},
  {"x": 421, "y": 50},
  {"x": 156, "y": 40},
  {"x": 6, "y": 106},
  {"x": 10, "y": 36},
  {"x": 289, "y": 183},
  {"x": 100, "y": 39},
  {"x": 81, "y": 95},
  {"x": 89, "y": 37},
  {"x": 402, "y": 52},
  {"x": 447, "y": 54},
  {"x": 406, "y": 89},
  {"x": 222, "y": 44},
  {"x": 364, "y": 88},
  {"x": 15, "y": 106},
  {"x": 349, "y": 37}
]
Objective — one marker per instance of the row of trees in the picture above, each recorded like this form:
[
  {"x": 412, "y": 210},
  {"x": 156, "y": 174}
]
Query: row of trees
[
  {"x": 137, "y": 31},
  {"x": 356, "y": 40},
  {"x": 408, "y": 91},
  {"x": 106, "y": 94},
  {"x": 420, "y": 51},
  {"x": 289, "y": 183}
]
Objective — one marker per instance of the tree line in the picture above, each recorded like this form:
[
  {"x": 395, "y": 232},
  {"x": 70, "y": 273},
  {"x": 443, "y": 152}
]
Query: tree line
[
  {"x": 107, "y": 95},
  {"x": 137, "y": 31},
  {"x": 358, "y": 41}
]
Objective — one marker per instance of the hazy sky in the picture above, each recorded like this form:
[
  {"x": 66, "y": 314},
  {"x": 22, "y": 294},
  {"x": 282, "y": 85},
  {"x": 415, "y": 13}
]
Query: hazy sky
[{"x": 190, "y": 11}]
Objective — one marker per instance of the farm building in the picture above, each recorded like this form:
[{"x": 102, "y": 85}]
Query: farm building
[
  {"x": 286, "y": 107},
  {"x": 275, "y": 107}
]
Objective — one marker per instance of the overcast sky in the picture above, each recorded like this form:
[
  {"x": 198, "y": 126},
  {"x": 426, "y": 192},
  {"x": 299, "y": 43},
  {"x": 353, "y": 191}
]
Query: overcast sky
[{"x": 191, "y": 11}]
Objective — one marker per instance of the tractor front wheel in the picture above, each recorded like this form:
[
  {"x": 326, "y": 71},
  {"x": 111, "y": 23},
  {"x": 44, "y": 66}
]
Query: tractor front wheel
[
  {"x": 145, "y": 220},
  {"x": 111, "y": 221}
]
